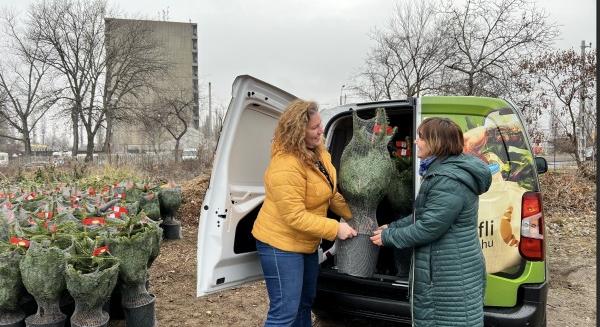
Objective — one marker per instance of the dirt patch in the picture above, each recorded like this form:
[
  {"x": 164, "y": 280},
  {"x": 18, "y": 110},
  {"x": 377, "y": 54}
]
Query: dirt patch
[
  {"x": 193, "y": 194},
  {"x": 571, "y": 251},
  {"x": 173, "y": 280}
]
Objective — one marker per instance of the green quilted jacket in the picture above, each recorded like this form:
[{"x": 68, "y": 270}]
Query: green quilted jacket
[{"x": 448, "y": 274}]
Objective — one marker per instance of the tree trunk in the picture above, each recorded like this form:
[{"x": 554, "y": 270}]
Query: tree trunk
[
  {"x": 108, "y": 137},
  {"x": 177, "y": 156},
  {"x": 89, "y": 151},
  {"x": 470, "y": 85},
  {"x": 26, "y": 137},
  {"x": 75, "y": 122},
  {"x": 27, "y": 143}
]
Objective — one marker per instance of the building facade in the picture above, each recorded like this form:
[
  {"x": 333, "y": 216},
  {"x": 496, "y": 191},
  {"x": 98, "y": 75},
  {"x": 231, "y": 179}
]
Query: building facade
[{"x": 178, "y": 44}]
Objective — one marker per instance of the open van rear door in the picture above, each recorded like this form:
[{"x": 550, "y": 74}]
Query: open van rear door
[{"x": 226, "y": 253}]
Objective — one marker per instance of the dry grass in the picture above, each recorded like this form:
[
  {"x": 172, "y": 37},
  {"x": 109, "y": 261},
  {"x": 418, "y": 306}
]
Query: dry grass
[{"x": 569, "y": 192}]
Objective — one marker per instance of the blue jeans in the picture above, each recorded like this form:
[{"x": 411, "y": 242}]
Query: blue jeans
[{"x": 291, "y": 280}]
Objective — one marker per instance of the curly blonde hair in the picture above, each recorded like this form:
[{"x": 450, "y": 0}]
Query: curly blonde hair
[{"x": 291, "y": 131}]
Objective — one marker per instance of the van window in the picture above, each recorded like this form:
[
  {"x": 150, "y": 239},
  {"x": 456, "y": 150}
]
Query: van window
[{"x": 499, "y": 139}]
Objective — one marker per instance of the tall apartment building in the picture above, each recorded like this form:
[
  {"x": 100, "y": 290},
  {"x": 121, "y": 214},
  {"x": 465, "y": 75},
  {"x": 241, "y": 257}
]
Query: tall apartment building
[{"x": 179, "y": 45}]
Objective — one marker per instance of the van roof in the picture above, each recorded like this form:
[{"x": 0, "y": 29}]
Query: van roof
[{"x": 465, "y": 105}]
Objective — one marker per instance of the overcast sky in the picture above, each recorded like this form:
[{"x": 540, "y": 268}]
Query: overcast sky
[{"x": 309, "y": 48}]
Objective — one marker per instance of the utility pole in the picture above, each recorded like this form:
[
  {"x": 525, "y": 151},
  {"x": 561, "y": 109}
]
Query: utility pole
[{"x": 582, "y": 144}]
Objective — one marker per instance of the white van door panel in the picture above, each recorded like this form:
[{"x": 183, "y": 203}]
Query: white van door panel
[{"x": 236, "y": 188}]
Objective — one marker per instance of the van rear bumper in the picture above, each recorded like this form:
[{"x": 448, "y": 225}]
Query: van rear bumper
[{"x": 531, "y": 310}]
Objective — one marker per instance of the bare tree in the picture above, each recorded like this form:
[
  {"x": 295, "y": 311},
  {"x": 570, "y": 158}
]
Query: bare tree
[
  {"x": 134, "y": 60},
  {"x": 62, "y": 27},
  {"x": 417, "y": 39},
  {"x": 490, "y": 37},
  {"x": 100, "y": 60},
  {"x": 153, "y": 133},
  {"x": 567, "y": 78},
  {"x": 408, "y": 53},
  {"x": 172, "y": 112},
  {"x": 25, "y": 83},
  {"x": 377, "y": 81},
  {"x": 93, "y": 111}
]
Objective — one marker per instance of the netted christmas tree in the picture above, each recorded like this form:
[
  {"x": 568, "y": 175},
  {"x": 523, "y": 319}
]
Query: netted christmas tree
[
  {"x": 11, "y": 286},
  {"x": 42, "y": 270},
  {"x": 170, "y": 200},
  {"x": 365, "y": 172},
  {"x": 91, "y": 275},
  {"x": 136, "y": 244}
]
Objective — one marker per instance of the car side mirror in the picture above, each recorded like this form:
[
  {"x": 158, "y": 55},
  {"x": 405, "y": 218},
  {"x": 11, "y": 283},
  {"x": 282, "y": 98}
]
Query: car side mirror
[{"x": 541, "y": 164}]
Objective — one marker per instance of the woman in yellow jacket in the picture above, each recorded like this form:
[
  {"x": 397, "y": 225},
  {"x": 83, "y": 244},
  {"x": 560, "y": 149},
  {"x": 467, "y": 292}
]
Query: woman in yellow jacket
[{"x": 300, "y": 185}]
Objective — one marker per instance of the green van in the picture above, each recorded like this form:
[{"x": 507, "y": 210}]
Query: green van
[{"x": 510, "y": 227}]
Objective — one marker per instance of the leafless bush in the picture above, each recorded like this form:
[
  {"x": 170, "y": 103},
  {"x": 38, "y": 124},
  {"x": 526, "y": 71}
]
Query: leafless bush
[{"x": 566, "y": 190}]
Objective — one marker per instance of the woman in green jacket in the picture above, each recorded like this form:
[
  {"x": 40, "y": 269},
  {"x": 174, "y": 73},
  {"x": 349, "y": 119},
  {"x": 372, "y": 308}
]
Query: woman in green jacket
[{"x": 448, "y": 270}]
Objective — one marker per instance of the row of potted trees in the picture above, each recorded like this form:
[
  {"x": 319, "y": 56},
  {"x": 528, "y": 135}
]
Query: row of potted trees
[{"x": 82, "y": 242}]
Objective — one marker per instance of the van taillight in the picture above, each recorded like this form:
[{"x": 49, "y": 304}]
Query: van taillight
[{"x": 531, "y": 245}]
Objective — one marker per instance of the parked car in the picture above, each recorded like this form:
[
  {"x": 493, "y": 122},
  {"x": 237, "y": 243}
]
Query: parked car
[
  {"x": 3, "y": 158},
  {"x": 189, "y": 154},
  {"x": 510, "y": 226}
]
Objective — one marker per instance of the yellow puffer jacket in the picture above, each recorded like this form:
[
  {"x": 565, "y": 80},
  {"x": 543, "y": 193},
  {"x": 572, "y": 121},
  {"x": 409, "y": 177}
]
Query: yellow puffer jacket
[{"x": 293, "y": 216}]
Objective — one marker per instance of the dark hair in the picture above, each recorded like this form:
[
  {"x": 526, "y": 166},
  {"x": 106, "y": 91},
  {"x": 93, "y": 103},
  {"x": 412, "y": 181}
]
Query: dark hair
[{"x": 443, "y": 136}]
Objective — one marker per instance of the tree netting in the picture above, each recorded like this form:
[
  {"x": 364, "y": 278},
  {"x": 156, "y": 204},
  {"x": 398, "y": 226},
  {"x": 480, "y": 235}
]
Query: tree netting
[
  {"x": 90, "y": 281},
  {"x": 135, "y": 248},
  {"x": 149, "y": 203},
  {"x": 42, "y": 270},
  {"x": 170, "y": 200},
  {"x": 399, "y": 191},
  {"x": 365, "y": 171},
  {"x": 10, "y": 278},
  {"x": 11, "y": 284}
]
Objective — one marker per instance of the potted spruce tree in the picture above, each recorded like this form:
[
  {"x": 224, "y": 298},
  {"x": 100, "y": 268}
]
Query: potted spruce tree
[
  {"x": 134, "y": 243},
  {"x": 42, "y": 270},
  {"x": 91, "y": 275},
  {"x": 365, "y": 171},
  {"x": 11, "y": 285},
  {"x": 150, "y": 204},
  {"x": 170, "y": 199}
]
